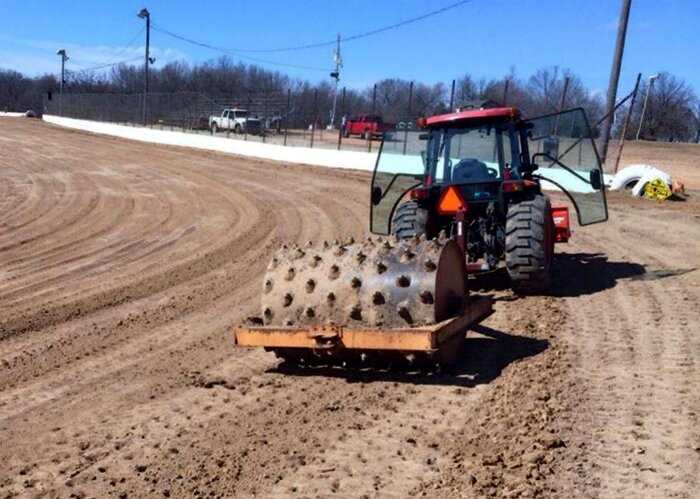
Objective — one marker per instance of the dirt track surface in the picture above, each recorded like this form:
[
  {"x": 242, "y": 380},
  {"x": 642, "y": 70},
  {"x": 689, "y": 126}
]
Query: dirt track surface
[{"x": 123, "y": 267}]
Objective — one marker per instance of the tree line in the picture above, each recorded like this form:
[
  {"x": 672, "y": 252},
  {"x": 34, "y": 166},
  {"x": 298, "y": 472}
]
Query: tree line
[{"x": 672, "y": 110}]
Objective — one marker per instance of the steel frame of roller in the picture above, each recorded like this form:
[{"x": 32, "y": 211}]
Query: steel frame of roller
[{"x": 334, "y": 344}]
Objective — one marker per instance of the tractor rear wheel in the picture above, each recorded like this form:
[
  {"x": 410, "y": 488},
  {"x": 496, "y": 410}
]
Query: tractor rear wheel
[
  {"x": 409, "y": 220},
  {"x": 530, "y": 245}
]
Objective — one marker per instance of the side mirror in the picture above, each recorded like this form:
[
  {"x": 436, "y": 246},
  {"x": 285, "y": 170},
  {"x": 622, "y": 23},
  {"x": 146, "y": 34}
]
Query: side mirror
[
  {"x": 376, "y": 195},
  {"x": 596, "y": 181}
]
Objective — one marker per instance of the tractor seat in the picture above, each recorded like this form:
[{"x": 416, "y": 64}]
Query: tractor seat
[{"x": 470, "y": 170}]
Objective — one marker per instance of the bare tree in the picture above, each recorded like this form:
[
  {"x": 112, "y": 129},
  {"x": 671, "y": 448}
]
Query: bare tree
[{"x": 670, "y": 113}]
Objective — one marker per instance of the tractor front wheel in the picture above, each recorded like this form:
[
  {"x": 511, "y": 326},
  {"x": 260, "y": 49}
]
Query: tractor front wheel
[
  {"x": 409, "y": 220},
  {"x": 530, "y": 245}
]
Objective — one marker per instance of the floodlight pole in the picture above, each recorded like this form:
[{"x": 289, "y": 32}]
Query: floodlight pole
[
  {"x": 646, "y": 101},
  {"x": 614, "y": 77},
  {"x": 144, "y": 14},
  {"x": 336, "y": 76},
  {"x": 64, "y": 58}
]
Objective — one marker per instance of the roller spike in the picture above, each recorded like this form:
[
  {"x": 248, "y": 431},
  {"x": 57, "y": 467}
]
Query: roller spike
[
  {"x": 254, "y": 321},
  {"x": 426, "y": 297},
  {"x": 309, "y": 244},
  {"x": 268, "y": 313},
  {"x": 291, "y": 272},
  {"x": 386, "y": 245},
  {"x": 336, "y": 242},
  {"x": 289, "y": 322},
  {"x": 356, "y": 282},
  {"x": 360, "y": 257},
  {"x": 402, "y": 308},
  {"x": 403, "y": 281},
  {"x": 429, "y": 265},
  {"x": 298, "y": 253},
  {"x": 334, "y": 272},
  {"x": 330, "y": 298},
  {"x": 339, "y": 251},
  {"x": 350, "y": 240},
  {"x": 416, "y": 240},
  {"x": 273, "y": 263},
  {"x": 356, "y": 312},
  {"x": 378, "y": 298},
  {"x": 285, "y": 247},
  {"x": 381, "y": 267},
  {"x": 406, "y": 256},
  {"x": 310, "y": 286},
  {"x": 288, "y": 299},
  {"x": 326, "y": 245},
  {"x": 315, "y": 260},
  {"x": 268, "y": 286},
  {"x": 310, "y": 312}
]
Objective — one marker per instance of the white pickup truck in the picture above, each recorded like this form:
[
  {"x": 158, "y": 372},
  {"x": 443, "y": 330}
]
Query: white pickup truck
[{"x": 236, "y": 120}]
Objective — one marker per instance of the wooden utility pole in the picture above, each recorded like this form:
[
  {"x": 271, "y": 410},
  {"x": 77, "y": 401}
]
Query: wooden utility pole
[{"x": 614, "y": 77}]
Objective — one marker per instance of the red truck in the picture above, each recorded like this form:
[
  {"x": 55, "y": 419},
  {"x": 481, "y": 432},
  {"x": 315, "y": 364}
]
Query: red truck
[{"x": 367, "y": 126}]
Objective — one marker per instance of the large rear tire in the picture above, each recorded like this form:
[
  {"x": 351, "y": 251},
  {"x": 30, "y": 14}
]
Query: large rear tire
[
  {"x": 409, "y": 220},
  {"x": 530, "y": 245}
]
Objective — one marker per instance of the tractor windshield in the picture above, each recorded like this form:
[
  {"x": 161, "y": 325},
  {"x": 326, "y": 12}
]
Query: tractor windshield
[{"x": 469, "y": 155}]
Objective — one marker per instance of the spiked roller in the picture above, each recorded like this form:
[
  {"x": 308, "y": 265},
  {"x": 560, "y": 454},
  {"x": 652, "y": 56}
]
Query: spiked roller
[{"x": 378, "y": 282}]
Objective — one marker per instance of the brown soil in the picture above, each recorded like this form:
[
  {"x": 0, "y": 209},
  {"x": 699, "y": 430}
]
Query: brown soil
[
  {"x": 680, "y": 160},
  {"x": 123, "y": 267}
]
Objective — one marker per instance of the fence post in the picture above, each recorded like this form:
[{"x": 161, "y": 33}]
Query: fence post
[
  {"x": 313, "y": 124},
  {"x": 452, "y": 96},
  {"x": 263, "y": 128},
  {"x": 374, "y": 98},
  {"x": 410, "y": 101},
  {"x": 341, "y": 128},
  {"x": 286, "y": 115}
]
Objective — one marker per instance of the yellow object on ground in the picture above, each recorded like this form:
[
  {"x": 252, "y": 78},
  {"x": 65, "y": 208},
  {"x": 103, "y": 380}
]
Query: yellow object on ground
[{"x": 657, "y": 190}]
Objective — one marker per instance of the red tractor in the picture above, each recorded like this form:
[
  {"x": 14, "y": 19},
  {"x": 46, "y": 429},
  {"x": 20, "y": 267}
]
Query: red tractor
[
  {"x": 478, "y": 180},
  {"x": 465, "y": 194}
]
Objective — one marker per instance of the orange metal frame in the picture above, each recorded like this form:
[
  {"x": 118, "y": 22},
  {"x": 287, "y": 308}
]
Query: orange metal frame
[{"x": 422, "y": 339}]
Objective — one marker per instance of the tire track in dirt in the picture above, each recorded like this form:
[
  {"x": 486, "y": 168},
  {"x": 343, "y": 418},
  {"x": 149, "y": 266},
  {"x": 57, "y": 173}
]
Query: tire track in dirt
[
  {"x": 293, "y": 219},
  {"x": 631, "y": 328}
]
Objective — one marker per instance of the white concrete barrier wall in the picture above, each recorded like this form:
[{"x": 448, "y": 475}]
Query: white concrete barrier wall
[
  {"x": 11, "y": 115},
  {"x": 332, "y": 158},
  {"x": 305, "y": 155}
]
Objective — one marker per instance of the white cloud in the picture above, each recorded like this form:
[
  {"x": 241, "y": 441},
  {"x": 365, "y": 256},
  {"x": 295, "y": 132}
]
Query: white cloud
[{"x": 33, "y": 57}]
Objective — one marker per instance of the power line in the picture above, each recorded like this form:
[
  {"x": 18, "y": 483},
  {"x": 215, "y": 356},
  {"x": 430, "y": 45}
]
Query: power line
[
  {"x": 120, "y": 53},
  {"x": 108, "y": 65},
  {"x": 329, "y": 43},
  {"x": 234, "y": 53}
]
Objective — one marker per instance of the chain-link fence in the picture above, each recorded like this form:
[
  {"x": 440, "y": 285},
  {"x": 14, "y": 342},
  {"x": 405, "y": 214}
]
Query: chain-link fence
[{"x": 290, "y": 118}]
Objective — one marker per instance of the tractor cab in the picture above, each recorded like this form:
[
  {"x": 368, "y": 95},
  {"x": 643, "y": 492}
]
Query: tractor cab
[{"x": 490, "y": 157}]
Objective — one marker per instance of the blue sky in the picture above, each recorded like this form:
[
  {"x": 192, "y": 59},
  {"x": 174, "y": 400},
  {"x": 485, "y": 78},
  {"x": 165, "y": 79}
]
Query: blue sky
[{"x": 484, "y": 37}]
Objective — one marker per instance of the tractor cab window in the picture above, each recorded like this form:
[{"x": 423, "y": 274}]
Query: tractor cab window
[{"x": 471, "y": 155}]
